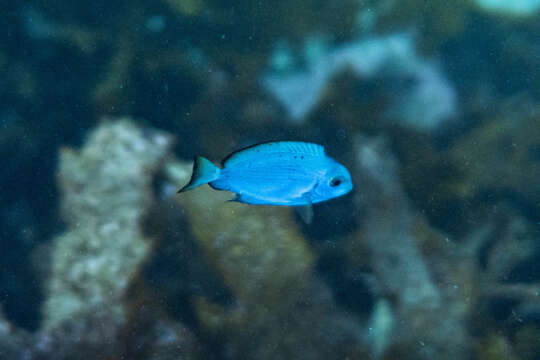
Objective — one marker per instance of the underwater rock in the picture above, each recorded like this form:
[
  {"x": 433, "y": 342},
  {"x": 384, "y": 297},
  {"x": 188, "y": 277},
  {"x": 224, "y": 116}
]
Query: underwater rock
[
  {"x": 153, "y": 335},
  {"x": 507, "y": 250},
  {"x": 106, "y": 189},
  {"x": 93, "y": 335},
  {"x": 423, "y": 97},
  {"x": 187, "y": 7},
  {"x": 96, "y": 337},
  {"x": 384, "y": 195},
  {"x": 393, "y": 232},
  {"x": 516, "y": 8},
  {"x": 526, "y": 342},
  {"x": 12, "y": 340},
  {"x": 281, "y": 310},
  {"x": 437, "y": 22},
  {"x": 106, "y": 192},
  {"x": 513, "y": 243},
  {"x": 501, "y": 155},
  {"x": 496, "y": 347},
  {"x": 172, "y": 341}
]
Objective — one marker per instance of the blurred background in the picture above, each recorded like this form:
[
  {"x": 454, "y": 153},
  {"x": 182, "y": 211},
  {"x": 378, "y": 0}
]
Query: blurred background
[{"x": 433, "y": 106}]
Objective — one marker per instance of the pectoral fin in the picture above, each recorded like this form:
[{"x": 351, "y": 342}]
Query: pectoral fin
[
  {"x": 236, "y": 198},
  {"x": 305, "y": 212}
]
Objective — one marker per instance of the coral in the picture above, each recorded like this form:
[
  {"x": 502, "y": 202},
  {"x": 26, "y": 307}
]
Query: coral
[
  {"x": 496, "y": 347},
  {"x": 106, "y": 189},
  {"x": 413, "y": 287},
  {"x": 437, "y": 21},
  {"x": 435, "y": 255},
  {"x": 187, "y": 7},
  {"x": 425, "y": 105},
  {"x": 501, "y": 158},
  {"x": 527, "y": 342},
  {"x": 391, "y": 229},
  {"x": 518, "y": 8},
  {"x": 153, "y": 335},
  {"x": 181, "y": 65},
  {"x": 281, "y": 309},
  {"x": 12, "y": 340},
  {"x": 106, "y": 192}
]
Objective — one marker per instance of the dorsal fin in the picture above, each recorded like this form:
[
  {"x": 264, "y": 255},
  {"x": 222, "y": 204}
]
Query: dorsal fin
[{"x": 290, "y": 147}]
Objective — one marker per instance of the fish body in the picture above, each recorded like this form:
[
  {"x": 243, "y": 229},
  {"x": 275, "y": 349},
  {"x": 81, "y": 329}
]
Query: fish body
[{"x": 289, "y": 173}]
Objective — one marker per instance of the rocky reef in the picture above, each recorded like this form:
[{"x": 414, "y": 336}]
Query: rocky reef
[
  {"x": 434, "y": 107},
  {"x": 106, "y": 192},
  {"x": 269, "y": 267},
  {"x": 99, "y": 300}
]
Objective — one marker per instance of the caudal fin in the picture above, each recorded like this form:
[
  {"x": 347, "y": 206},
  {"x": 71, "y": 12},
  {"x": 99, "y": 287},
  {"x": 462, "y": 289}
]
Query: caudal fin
[{"x": 203, "y": 173}]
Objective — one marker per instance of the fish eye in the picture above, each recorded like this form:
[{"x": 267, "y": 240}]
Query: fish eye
[{"x": 336, "y": 181}]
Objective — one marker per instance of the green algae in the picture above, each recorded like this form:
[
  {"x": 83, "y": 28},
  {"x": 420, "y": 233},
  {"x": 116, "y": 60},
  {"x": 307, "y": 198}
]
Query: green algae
[
  {"x": 495, "y": 347},
  {"x": 437, "y": 21},
  {"x": 499, "y": 156},
  {"x": 526, "y": 342},
  {"x": 187, "y": 7}
]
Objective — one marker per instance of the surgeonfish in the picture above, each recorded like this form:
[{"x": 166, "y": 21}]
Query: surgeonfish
[{"x": 289, "y": 173}]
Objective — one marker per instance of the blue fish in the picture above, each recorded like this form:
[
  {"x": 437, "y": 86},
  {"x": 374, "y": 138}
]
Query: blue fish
[{"x": 289, "y": 173}]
